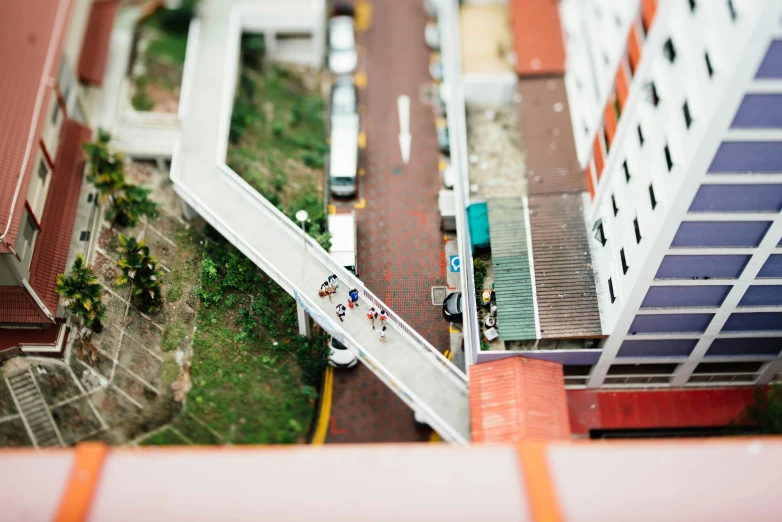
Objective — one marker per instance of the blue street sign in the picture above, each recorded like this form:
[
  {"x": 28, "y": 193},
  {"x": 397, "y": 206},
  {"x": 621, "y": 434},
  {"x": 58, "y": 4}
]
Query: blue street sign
[{"x": 456, "y": 264}]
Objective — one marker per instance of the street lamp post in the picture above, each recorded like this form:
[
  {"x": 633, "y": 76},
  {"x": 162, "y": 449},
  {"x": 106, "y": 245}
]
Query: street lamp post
[{"x": 302, "y": 216}]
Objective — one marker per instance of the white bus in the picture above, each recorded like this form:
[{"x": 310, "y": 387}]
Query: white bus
[{"x": 343, "y": 159}]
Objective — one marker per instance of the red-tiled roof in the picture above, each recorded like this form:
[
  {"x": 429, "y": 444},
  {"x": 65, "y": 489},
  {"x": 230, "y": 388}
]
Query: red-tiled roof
[
  {"x": 12, "y": 337},
  {"x": 537, "y": 37},
  {"x": 518, "y": 398},
  {"x": 53, "y": 241},
  {"x": 95, "y": 47},
  {"x": 18, "y": 307},
  {"x": 30, "y": 31}
]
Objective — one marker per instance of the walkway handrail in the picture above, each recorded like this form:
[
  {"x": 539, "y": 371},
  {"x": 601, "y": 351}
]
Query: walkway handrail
[
  {"x": 415, "y": 338},
  {"x": 413, "y": 400}
]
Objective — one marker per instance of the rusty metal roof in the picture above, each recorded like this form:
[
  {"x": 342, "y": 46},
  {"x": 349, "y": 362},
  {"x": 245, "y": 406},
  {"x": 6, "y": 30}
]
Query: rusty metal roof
[
  {"x": 537, "y": 37},
  {"x": 29, "y": 31},
  {"x": 564, "y": 278},
  {"x": 518, "y": 398},
  {"x": 95, "y": 46},
  {"x": 18, "y": 307},
  {"x": 53, "y": 241},
  {"x": 547, "y": 133}
]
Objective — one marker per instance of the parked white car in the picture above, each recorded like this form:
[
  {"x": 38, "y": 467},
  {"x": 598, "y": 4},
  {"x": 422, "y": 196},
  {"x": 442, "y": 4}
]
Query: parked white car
[
  {"x": 342, "y": 45},
  {"x": 432, "y": 36},
  {"x": 340, "y": 356},
  {"x": 343, "y": 96}
]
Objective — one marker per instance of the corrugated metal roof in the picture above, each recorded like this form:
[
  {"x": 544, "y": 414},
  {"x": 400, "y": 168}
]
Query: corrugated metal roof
[
  {"x": 564, "y": 279},
  {"x": 13, "y": 337},
  {"x": 512, "y": 279},
  {"x": 27, "y": 32},
  {"x": 95, "y": 46},
  {"x": 547, "y": 132},
  {"x": 537, "y": 37},
  {"x": 518, "y": 398},
  {"x": 18, "y": 307},
  {"x": 53, "y": 241}
]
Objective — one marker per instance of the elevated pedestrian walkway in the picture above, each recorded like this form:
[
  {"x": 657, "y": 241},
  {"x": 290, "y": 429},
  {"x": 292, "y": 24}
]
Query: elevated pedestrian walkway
[{"x": 407, "y": 363}]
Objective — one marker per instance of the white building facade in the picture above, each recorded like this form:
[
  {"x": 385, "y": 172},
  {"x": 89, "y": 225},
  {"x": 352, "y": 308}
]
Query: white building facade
[{"x": 677, "y": 115}]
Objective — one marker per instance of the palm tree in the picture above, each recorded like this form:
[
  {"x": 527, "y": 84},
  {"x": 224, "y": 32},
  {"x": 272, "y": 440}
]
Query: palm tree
[
  {"x": 133, "y": 203},
  {"x": 143, "y": 271},
  {"x": 81, "y": 291}
]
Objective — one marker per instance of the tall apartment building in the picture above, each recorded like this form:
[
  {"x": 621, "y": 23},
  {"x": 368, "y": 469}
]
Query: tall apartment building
[
  {"x": 676, "y": 108},
  {"x": 52, "y": 63}
]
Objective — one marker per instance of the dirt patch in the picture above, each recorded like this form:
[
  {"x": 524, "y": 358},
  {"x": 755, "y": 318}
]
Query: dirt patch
[
  {"x": 140, "y": 361},
  {"x": 113, "y": 406},
  {"x": 7, "y": 406},
  {"x": 107, "y": 341},
  {"x": 55, "y": 381},
  {"x": 163, "y": 249},
  {"x": 134, "y": 388},
  {"x": 13, "y": 434},
  {"x": 76, "y": 420},
  {"x": 92, "y": 376}
]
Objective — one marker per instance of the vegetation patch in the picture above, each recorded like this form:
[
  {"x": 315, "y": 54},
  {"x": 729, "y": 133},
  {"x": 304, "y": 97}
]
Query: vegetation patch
[{"x": 277, "y": 134}]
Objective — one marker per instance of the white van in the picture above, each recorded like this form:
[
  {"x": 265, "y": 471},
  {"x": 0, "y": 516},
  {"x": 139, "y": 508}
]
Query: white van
[
  {"x": 342, "y": 228},
  {"x": 343, "y": 156}
]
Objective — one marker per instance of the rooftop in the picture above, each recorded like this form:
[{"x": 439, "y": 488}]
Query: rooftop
[
  {"x": 537, "y": 37},
  {"x": 31, "y": 34}
]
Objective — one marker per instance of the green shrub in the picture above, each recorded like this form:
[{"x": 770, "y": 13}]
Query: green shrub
[
  {"x": 178, "y": 20},
  {"x": 141, "y": 101},
  {"x": 170, "y": 371},
  {"x": 279, "y": 182},
  {"x": 174, "y": 334},
  {"x": 278, "y": 129},
  {"x": 312, "y": 356},
  {"x": 142, "y": 271},
  {"x": 253, "y": 50}
]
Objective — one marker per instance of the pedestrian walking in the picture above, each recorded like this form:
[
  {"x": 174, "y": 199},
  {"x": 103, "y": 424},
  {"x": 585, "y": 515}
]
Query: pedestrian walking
[
  {"x": 383, "y": 317},
  {"x": 371, "y": 314},
  {"x": 333, "y": 282},
  {"x": 341, "y": 311},
  {"x": 325, "y": 291},
  {"x": 383, "y": 335},
  {"x": 353, "y": 297}
]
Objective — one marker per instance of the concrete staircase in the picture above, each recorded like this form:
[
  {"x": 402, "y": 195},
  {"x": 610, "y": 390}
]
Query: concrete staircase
[{"x": 33, "y": 409}]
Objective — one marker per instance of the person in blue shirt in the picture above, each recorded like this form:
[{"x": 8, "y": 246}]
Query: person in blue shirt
[{"x": 353, "y": 296}]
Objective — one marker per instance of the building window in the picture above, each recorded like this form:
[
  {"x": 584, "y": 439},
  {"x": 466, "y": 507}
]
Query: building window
[
  {"x": 606, "y": 141},
  {"x": 652, "y": 197},
  {"x": 640, "y": 373},
  {"x": 693, "y": 5},
  {"x": 668, "y": 158},
  {"x": 732, "y": 10},
  {"x": 637, "y": 230},
  {"x": 627, "y": 171},
  {"x": 709, "y": 67},
  {"x": 56, "y": 111},
  {"x": 625, "y": 268},
  {"x": 613, "y": 204},
  {"x": 687, "y": 115},
  {"x": 669, "y": 51},
  {"x": 599, "y": 232},
  {"x": 26, "y": 239},
  {"x": 640, "y": 135},
  {"x": 611, "y": 290},
  {"x": 651, "y": 94}
]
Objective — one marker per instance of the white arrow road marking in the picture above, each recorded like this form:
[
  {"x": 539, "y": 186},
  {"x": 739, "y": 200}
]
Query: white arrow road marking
[{"x": 403, "y": 104}]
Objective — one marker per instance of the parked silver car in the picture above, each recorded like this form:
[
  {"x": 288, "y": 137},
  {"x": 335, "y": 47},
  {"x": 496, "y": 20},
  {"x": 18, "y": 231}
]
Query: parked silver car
[{"x": 343, "y": 96}]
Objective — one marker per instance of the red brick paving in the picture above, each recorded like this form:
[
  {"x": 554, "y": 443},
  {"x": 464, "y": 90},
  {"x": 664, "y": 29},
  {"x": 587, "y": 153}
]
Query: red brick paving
[{"x": 399, "y": 240}]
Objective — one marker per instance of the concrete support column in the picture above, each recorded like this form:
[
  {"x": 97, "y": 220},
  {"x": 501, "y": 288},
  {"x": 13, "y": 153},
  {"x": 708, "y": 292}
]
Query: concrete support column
[
  {"x": 187, "y": 210},
  {"x": 161, "y": 164},
  {"x": 304, "y": 321}
]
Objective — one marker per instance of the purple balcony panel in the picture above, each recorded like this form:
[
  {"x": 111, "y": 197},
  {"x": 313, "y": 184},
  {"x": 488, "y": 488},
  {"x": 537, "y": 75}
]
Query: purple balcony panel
[
  {"x": 702, "y": 267},
  {"x": 657, "y": 348},
  {"x": 769, "y": 346},
  {"x": 703, "y": 234},
  {"x": 772, "y": 267},
  {"x": 762, "y": 295},
  {"x": 747, "y": 157},
  {"x": 670, "y": 323},
  {"x": 759, "y": 111},
  {"x": 754, "y": 322},
  {"x": 683, "y": 296},
  {"x": 771, "y": 67},
  {"x": 738, "y": 198}
]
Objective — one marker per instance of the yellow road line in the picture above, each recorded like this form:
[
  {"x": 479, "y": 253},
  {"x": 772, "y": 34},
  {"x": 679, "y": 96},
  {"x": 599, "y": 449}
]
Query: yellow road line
[
  {"x": 435, "y": 437},
  {"x": 325, "y": 408},
  {"x": 360, "y": 79},
  {"x": 363, "y": 14},
  {"x": 361, "y": 204},
  {"x": 332, "y": 209},
  {"x": 441, "y": 165},
  {"x": 362, "y": 172},
  {"x": 362, "y": 140}
]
